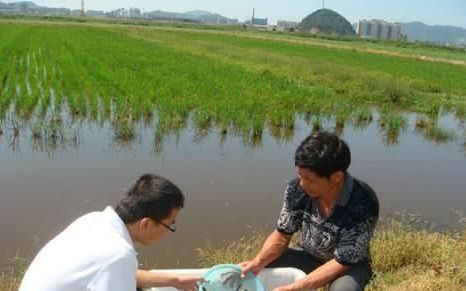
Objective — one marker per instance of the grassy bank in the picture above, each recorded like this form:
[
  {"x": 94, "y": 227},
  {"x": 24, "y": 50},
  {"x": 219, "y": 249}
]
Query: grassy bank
[
  {"x": 404, "y": 258},
  {"x": 228, "y": 80},
  {"x": 11, "y": 274}
]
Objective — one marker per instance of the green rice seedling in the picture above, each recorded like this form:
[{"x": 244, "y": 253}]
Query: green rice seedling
[
  {"x": 15, "y": 125},
  {"x": 158, "y": 141},
  {"x": 340, "y": 126},
  {"x": 222, "y": 134},
  {"x": 36, "y": 130},
  {"x": 423, "y": 122},
  {"x": 55, "y": 136},
  {"x": 124, "y": 133},
  {"x": 316, "y": 123},
  {"x": 361, "y": 118},
  {"x": 436, "y": 134},
  {"x": 200, "y": 134},
  {"x": 460, "y": 112},
  {"x": 313, "y": 59},
  {"x": 391, "y": 124},
  {"x": 46, "y": 136},
  {"x": 342, "y": 113},
  {"x": 398, "y": 91},
  {"x": 252, "y": 138},
  {"x": 43, "y": 105},
  {"x": 281, "y": 134},
  {"x": 288, "y": 135},
  {"x": 203, "y": 120},
  {"x": 434, "y": 108}
]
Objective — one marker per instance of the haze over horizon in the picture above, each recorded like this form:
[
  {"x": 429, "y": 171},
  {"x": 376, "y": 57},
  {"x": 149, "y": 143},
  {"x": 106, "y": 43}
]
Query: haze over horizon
[{"x": 432, "y": 12}]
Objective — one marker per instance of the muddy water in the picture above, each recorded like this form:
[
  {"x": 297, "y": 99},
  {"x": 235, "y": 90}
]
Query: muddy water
[{"x": 230, "y": 188}]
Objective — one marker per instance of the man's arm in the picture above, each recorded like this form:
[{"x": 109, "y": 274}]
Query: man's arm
[
  {"x": 317, "y": 278},
  {"x": 146, "y": 279},
  {"x": 274, "y": 246}
]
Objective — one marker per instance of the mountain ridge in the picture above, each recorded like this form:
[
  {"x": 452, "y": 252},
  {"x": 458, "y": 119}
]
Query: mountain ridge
[{"x": 445, "y": 34}]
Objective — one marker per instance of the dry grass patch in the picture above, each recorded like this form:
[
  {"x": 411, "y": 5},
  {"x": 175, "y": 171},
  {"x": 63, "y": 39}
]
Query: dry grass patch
[{"x": 403, "y": 258}]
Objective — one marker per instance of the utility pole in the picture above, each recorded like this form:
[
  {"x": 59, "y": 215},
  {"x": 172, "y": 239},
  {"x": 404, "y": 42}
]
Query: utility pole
[
  {"x": 83, "y": 13},
  {"x": 323, "y": 4},
  {"x": 252, "y": 19}
]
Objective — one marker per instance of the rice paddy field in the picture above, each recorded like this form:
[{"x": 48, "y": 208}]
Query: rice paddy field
[
  {"x": 231, "y": 80},
  {"x": 86, "y": 105}
]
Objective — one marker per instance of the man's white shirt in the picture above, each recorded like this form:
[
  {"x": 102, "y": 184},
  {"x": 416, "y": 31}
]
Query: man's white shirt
[{"x": 95, "y": 252}]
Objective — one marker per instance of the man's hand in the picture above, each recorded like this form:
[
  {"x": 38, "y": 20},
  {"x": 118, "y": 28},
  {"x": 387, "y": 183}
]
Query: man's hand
[
  {"x": 187, "y": 283},
  {"x": 283, "y": 288},
  {"x": 250, "y": 266},
  {"x": 297, "y": 286},
  {"x": 274, "y": 246}
]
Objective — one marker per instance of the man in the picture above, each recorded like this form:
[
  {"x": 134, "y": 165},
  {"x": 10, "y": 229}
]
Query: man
[
  {"x": 96, "y": 251},
  {"x": 336, "y": 215}
]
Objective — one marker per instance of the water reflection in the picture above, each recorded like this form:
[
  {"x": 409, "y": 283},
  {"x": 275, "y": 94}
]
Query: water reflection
[
  {"x": 432, "y": 132},
  {"x": 124, "y": 133},
  {"x": 62, "y": 132},
  {"x": 52, "y": 135}
]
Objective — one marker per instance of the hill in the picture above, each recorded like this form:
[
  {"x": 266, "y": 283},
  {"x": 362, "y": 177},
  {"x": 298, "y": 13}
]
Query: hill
[
  {"x": 195, "y": 16},
  {"x": 443, "y": 34},
  {"x": 326, "y": 21},
  {"x": 29, "y": 7},
  {"x": 18, "y": 6}
]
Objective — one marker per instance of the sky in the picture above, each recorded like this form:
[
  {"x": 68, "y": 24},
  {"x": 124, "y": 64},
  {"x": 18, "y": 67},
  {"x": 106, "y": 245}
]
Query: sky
[{"x": 443, "y": 12}]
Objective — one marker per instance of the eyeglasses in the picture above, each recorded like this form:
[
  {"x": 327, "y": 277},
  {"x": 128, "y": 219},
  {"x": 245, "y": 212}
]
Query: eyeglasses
[{"x": 171, "y": 228}]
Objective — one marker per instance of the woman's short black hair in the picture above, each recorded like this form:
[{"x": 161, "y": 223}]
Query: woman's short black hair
[
  {"x": 150, "y": 196},
  {"x": 323, "y": 153}
]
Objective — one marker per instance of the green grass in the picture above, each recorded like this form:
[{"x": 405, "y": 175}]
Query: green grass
[{"x": 237, "y": 81}]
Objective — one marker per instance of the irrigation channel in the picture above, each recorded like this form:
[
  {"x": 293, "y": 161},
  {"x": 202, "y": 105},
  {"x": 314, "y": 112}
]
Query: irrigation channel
[{"x": 233, "y": 182}]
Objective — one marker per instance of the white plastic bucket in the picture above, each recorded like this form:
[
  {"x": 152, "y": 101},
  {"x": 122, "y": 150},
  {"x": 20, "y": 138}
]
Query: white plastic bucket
[{"x": 271, "y": 277}]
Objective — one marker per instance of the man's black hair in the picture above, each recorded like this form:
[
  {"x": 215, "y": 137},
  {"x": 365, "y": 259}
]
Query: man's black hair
[
  {"x": 151, "y": 196},
  {"x": 323, "y": 153}
]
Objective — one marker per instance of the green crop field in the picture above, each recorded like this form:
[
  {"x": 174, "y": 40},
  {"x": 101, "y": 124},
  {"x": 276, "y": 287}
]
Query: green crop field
[
  {"x": 57, "y": 74},
  {"x": 229, "y": 79}
]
